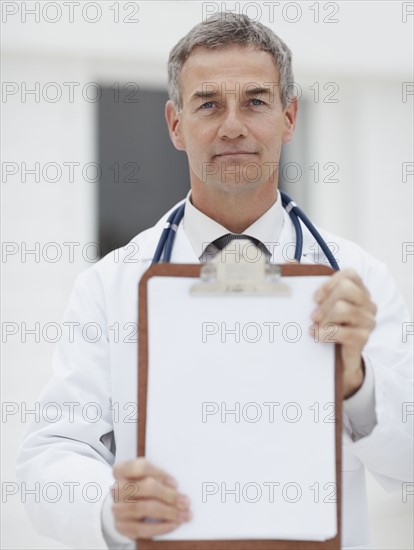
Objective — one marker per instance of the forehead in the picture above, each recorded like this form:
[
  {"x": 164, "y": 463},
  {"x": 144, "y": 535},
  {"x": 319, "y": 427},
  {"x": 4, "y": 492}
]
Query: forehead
[{"x": 229, "y": 65}]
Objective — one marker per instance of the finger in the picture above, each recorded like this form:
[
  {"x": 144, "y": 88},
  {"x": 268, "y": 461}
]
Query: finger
[
  {"x": 347, "y": 290},
  {"x": 353, "y": 338},
  {"x": 344, "y": 313},
  {"x": 125, "y": 491},
  {"x": 139, "y": 468},
  {"x": 149, "y": 508},
  {"x": 139, "y": 530},
  {"x": 335, "y": 280},
  {"x": 147, "y": 487},
  {"x": 152, "y": 487}
]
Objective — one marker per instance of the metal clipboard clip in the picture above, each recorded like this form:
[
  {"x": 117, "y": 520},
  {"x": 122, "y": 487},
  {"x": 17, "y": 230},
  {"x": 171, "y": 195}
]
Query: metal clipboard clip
[{"x": 239, "y": 276}]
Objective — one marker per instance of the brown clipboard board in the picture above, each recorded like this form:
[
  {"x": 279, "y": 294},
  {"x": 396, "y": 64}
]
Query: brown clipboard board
[{"x": 193, "y": 270}]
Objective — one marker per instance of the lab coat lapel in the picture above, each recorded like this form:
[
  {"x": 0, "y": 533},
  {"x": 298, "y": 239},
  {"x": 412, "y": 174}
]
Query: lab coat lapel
[
  {"x": 182, "y": 251},
  {"x": 285, "y": 247}
]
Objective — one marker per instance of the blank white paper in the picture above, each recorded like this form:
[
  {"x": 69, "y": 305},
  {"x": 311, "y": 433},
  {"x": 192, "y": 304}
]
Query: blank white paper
[{"x": 240, "y": 411}]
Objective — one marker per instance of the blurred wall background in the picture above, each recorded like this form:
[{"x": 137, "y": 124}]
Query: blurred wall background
[{"x": 353, "y": 63}]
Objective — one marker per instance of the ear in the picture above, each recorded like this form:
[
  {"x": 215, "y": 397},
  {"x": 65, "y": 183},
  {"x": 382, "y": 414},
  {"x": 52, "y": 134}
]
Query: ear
[
  {"x": 290, "y": 119},
  {"x": 174, "y": 125}
]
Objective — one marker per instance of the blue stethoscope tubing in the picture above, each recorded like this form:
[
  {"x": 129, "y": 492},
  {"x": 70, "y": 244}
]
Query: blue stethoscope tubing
[{"x": 166, "y": 242}]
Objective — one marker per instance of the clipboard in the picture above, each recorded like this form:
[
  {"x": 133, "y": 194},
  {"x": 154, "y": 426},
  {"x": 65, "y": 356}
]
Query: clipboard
[{"x": 194, "y": 272}]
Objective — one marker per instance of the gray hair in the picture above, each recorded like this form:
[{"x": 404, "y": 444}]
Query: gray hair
[{"x": 225, "y": 29}]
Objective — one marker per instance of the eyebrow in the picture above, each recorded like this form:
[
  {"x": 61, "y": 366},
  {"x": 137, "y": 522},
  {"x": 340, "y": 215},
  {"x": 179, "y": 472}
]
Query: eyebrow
[{"x": 212, "y": 94}]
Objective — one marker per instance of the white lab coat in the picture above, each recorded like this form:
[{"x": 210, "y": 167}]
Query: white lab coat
[{"x": 76, "y": 454}]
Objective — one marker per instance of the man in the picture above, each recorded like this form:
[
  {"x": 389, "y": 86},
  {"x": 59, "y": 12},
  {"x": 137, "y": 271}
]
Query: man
[{"x": 230, "y": 110}]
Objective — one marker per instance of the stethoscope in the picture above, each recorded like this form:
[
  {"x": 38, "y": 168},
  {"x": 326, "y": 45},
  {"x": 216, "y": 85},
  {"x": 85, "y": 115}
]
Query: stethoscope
[{"x": 165, "y": 244}]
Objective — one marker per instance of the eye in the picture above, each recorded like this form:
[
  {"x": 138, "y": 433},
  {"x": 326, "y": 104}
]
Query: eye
[
  {"x": 260, "y": 102},
  {"x": 206, "y": 105}
]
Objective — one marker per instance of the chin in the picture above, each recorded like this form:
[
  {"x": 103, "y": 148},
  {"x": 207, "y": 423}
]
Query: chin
[{"x": 232, "y": 185}]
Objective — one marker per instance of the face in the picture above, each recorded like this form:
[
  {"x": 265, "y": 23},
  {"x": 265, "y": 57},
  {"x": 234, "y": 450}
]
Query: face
[{"x": 232, "y": 124}]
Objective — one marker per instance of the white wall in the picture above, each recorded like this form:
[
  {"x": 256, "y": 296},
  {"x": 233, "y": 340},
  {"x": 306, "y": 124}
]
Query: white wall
[{"x": 368, "y": 133}]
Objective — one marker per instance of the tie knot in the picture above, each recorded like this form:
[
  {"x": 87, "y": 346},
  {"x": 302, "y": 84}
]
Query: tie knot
[{"x": 223, "y": 241}]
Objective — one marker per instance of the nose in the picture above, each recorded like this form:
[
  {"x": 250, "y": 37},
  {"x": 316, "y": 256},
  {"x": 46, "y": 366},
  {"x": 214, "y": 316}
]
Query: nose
[{"x": 232, "y": 126}]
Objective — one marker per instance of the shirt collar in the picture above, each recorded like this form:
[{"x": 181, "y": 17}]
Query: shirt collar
[{"x": 201, "y": 230}]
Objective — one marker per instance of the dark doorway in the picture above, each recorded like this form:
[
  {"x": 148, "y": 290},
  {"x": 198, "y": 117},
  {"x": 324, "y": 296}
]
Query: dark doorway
[{"x": 143, "y": 175}]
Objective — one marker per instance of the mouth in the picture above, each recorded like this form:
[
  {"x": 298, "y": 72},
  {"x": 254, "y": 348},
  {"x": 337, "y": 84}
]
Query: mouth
[{"x": 235, "y": 154}]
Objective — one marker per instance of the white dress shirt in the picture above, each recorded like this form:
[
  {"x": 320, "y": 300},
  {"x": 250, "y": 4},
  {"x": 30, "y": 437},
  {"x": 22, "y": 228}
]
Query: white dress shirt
[{"x": 202, "y": 230}]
